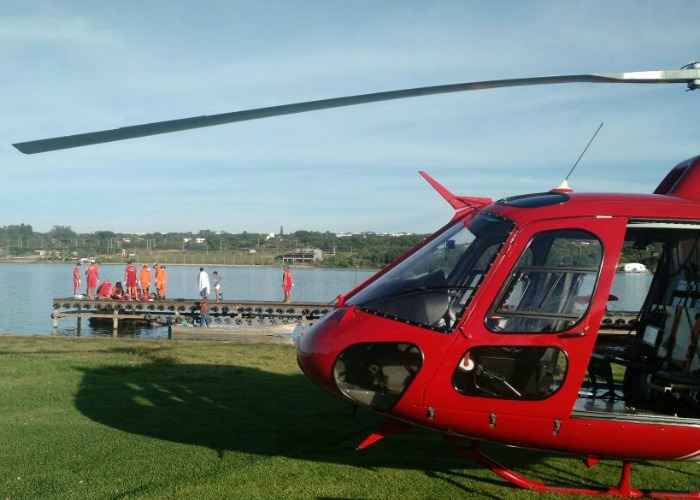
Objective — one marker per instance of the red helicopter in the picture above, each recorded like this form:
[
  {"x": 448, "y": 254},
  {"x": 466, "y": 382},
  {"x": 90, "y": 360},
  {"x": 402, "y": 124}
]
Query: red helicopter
[{"x": 490, "y": 329}]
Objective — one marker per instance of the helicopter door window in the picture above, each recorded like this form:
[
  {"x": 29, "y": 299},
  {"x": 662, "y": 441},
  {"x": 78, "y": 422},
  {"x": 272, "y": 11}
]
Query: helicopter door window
[
  {"x": 511, "y": 372},
  {"x": 552, "y": 284}
]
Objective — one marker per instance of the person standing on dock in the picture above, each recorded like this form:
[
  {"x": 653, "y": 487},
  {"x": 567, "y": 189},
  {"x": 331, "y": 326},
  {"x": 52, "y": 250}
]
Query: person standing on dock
[
  {"x": 203, "y": 283},
  {"x": 204, "y": 312},
  {"x": 287, "y": 284},
  {"x": 76, "y": 279},
  {"x": 163, "y": 283},
  {"x": 146, "y": 282},
  {"x": 92, "y": 274},
  {"x": 217, "y": 287},
  {"x": 156, "y": 278},
  {"x": 130, "y": 279}
]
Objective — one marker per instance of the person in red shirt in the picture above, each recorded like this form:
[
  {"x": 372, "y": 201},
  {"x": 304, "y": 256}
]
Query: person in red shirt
[
  {"x": 130, "y": 278},
  {"x": 104, "y": 291},
  {"x": 92, "y": 273},
  {"x": 287, "y": 284},
  {"x": 76, "y": 279}
]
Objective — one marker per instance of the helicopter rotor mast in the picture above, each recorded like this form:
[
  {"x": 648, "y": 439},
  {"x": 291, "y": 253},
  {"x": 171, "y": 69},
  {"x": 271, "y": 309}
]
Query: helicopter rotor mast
[{"x": 689, "y": 74}]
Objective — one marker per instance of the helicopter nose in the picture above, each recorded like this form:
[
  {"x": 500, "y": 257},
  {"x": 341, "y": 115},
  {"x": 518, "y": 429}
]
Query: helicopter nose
[
  {"x": 318, "y": 348},
  {"x": 366, "y": 370}
]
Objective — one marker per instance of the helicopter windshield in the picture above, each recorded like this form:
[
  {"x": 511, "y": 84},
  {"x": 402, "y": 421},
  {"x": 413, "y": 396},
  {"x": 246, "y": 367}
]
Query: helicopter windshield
[{"x": 433, "y": 286}]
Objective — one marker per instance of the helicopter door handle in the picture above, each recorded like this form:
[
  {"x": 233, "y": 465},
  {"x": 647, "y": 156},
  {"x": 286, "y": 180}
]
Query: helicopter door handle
[{"x": 571, "y": 335}]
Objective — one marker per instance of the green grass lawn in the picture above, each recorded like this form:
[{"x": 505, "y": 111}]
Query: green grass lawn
[{"x": 103, "y": 418}]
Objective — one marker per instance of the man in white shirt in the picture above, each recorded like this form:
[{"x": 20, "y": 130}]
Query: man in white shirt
[{"x": 203, "y": 283}]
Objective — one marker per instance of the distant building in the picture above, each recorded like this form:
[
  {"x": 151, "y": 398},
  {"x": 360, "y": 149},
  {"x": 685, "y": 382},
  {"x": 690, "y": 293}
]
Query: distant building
[
  {"x": 200, "y": 240},
  {"x": 302, "y": 256}
]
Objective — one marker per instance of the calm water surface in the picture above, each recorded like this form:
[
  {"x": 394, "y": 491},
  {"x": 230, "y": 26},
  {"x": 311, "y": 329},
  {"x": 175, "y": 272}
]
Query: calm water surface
[{"x": 28, "y": 289}]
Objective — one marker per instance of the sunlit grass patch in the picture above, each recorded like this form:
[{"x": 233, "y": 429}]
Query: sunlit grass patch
[{"x": 104, "y": 418}]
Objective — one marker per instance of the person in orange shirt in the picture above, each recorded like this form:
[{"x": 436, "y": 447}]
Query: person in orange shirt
[
  {"x": 162, "y": 281},
  {"x": 145, "y": 278}
]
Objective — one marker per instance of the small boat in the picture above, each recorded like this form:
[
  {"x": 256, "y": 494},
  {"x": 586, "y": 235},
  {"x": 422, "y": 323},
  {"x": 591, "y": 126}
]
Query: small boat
[{"x": 633, "y": 267}]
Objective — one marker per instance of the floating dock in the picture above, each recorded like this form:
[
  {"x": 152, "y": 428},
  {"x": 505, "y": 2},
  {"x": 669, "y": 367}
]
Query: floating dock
[
  {"x": 256, "y": 319},
  {"x": 236, "y": 315}
]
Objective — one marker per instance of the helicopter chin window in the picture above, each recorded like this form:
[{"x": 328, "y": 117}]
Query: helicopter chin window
[{"x": 377, "y": 374}]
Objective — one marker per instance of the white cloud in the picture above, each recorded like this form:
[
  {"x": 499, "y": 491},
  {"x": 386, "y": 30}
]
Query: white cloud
[{"x": 51, "y": 30}]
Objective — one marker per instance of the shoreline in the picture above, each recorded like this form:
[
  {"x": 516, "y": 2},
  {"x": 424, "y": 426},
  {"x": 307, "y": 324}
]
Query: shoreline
[{"x": 269, "y": 266}]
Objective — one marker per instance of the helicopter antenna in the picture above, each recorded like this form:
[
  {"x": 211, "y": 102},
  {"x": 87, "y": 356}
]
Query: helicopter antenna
[
  {"x": 590, "y": 141},
  {"x": 564, "y": 186}
]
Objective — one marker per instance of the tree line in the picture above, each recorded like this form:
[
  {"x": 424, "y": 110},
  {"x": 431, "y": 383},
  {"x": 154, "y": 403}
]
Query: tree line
[{"x": 63, "y": 243}]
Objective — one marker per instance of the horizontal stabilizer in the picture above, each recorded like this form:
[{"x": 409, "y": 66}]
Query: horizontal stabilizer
[{"x": 456, "y": 202}]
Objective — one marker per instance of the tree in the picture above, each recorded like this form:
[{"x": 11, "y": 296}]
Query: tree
[{"x": 62, "y": 233}]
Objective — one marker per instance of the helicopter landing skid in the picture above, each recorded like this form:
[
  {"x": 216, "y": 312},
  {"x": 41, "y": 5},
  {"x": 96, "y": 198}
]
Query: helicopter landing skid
[{"x": 623, "y": 489}]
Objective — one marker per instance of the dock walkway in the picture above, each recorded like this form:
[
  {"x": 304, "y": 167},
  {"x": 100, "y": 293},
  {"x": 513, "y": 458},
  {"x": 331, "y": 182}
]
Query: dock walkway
[{"x": 169, "y": 312}]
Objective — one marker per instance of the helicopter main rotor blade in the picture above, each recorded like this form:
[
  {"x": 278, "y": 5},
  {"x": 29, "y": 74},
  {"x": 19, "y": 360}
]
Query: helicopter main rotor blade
[{"x": 688, "y": 76}]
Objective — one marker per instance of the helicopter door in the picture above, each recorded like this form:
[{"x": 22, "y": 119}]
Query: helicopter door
[{"x": 525, "y": 346}]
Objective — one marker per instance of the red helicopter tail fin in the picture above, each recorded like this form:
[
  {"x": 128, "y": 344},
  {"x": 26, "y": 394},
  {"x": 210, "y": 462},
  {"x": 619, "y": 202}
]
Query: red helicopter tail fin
[
  {"x": 456, "y": 202},
  {"x": 682, "y": 181}
]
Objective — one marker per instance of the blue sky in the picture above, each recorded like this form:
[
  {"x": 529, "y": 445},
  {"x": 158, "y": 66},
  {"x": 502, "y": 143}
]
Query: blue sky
[{"x": 70, "y": 67}]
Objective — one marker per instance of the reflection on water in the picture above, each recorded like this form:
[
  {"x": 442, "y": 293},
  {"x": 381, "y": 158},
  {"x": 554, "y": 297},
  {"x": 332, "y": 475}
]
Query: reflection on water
[{"x": 27, "y": 291}]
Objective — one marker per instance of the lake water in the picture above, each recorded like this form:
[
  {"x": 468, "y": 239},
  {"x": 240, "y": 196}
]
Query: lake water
[
  {"x": 28, "y": 289},
  {"x": 631, "y": 290}
]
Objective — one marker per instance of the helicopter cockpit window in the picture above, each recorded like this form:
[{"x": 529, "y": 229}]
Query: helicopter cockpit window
[
  {"x": 552, "y": 285},
  {"x": 433, "y": 286}
]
